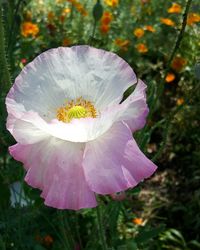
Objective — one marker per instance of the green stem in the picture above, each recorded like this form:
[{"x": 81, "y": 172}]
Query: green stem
[
  {"x": 63, "y": 231},
  {"x": 177, "y": 44},
  {"x": 6, "y": 79},
  {"x": 94, "y": 28},
  {"x": 161, "y": 89},
  {"x": 181, "y": 33},
  {"x": 101, "y": 229},
  {"x": 77, "y": 231},
  {"x": 93, "y": 33},
  {"x": 13, "y": 23}
]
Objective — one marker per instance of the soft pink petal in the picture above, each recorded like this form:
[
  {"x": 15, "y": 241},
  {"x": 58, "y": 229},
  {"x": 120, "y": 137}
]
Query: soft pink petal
[
  {"x": 136, "y": 108},
  {"x": 140, "y": 90},
  {"x": 20, "y": 152},
  {"x": 133, "y": 110},
  {"x": 136, "y": 165},
  {"x": 55, "y": 167},
  {"x": 109, "y": 163},
  {"x": 103, "y": 159}
]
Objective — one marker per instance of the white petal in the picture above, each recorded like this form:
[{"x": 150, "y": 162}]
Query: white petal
[{"x": 63, "y": 74}]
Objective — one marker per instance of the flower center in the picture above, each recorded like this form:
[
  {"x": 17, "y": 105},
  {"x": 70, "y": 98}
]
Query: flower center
[
  {"x": 77, "y": 112},
  {"x": 76, "y": 109}
]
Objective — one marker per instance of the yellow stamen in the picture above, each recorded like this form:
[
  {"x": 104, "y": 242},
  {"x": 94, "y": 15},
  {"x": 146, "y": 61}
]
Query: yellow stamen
[{"x": 76, "y": 109}]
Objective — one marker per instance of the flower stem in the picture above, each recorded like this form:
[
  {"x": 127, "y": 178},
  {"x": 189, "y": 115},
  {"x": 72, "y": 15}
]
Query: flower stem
[
  {"x": 66, "y": 242},
  {"x": 161, "y": 89},
  {"x": 6, "y": 79},
  {"x": 101, "y": 228},
  {"x": 93, "y": 33},
  {"x": 181, "y": 33},
  {"x": 177, "y": 44}
]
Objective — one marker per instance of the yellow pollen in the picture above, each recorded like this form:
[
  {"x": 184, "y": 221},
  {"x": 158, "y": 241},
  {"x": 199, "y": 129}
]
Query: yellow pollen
[{"x": 76, "y": 109}]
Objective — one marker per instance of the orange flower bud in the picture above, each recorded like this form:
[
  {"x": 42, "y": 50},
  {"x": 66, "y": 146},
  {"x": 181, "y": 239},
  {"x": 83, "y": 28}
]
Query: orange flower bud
[
  {"x": 29, "y": 29},
  {"x": 170, "y": 77},
  {"x": 167, "y": 21},
  {"x": 138, "y": 221},
  {"x": 142, "y": 48},
  {"x": 175, "y": 8},
  {"x": 138, "y": 32}
]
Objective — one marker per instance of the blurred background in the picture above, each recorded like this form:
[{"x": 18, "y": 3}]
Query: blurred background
[{"x": 160, "y": 40}]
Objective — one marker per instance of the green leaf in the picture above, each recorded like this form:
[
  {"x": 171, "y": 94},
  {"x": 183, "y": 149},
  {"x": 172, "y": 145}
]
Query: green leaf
[
  {"x": 146, "y": 235},
  {"x": 194, "y": 245}
]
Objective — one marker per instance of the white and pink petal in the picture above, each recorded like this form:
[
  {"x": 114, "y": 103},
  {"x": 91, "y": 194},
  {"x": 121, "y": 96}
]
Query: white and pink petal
[
  {"x": 55, "y": 167},
  {"x": 62, "y": 74},
  {"x": 112, "y": 164}
]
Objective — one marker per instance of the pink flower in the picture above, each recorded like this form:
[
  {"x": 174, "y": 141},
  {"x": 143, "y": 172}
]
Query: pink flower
[
  {"x": 23, "y": 60},
  {"x": 73, "y": 137}
]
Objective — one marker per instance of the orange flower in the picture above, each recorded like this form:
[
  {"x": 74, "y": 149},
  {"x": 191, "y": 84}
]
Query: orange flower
[
  {"x": 111, "y": 3},
  {"x": 149, "y": 28},
  {"x": 170, "y": 77},
  {"x": 81, "y": 9},
  {"x": 180, "y": 101},
  {"x": 106, "y": 18},
  {"x": 142, "y": 48},
  {"x": 29, "y": 29},
  {"x": 66, "y": 42},
  {"x": 48, "y": 240},
  {"x": 66, "y": 11},
  {"x": 138, "y": 221},
  {"x": 105, "y": 21},
  {"x": 178, "y": 63},
  {"x": 193, "y": 18},
  {"x": 138, "y": 32},
  {"x": 104, "y": 28},
  {"x": 167, "y": 21},
  {"x": 123, "y": 44},
  {"x": 175, "y": 8}
]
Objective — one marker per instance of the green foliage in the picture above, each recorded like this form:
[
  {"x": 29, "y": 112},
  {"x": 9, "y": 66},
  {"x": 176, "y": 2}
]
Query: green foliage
[{"x": 173, "y": 239}]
